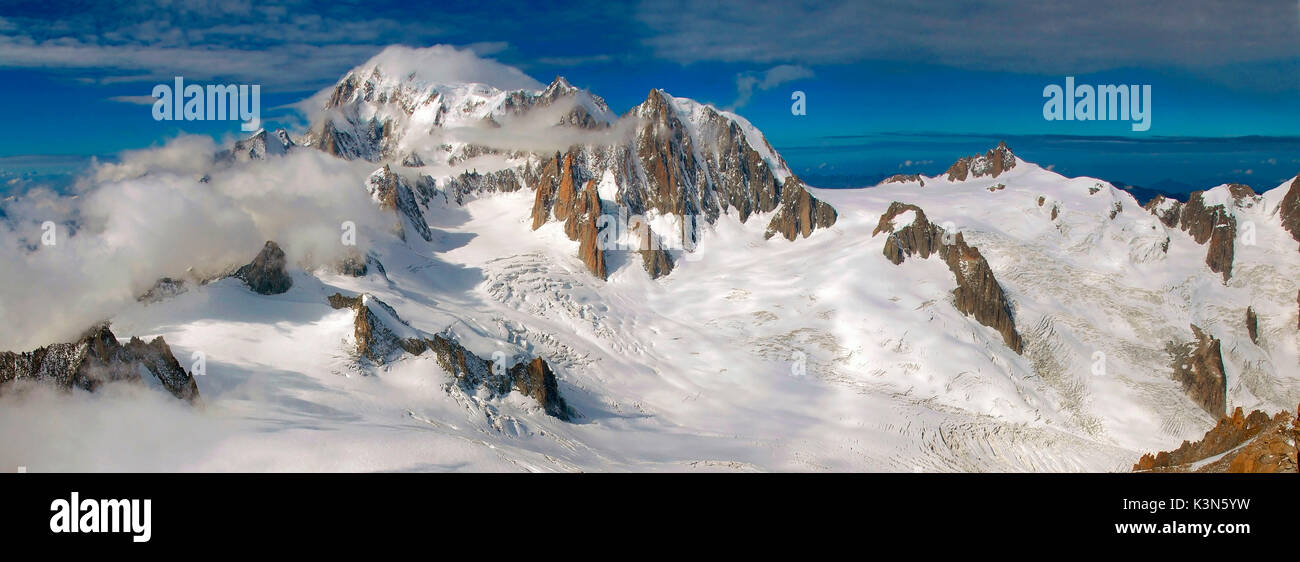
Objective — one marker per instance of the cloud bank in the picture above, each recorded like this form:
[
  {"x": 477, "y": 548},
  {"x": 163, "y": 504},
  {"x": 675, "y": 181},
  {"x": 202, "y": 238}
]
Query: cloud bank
[{"x": 149, "y": 216}]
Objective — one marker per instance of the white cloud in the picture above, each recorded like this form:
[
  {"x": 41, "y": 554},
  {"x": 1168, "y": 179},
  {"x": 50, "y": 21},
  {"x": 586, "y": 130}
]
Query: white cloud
[
  {"x": 748, "y": 82},
  {"x": 445, "y": 64},
  {"x": 148, "y": 216}
]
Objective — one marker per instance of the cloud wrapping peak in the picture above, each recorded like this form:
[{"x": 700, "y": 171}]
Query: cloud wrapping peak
[{"x": 445, "y": 64}]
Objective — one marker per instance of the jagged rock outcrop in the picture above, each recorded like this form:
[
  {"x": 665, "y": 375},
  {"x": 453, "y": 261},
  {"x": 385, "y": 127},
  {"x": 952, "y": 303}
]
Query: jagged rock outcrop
[
  {"x": 687, "y": 160},
  {"x": 1167, "y": 210},
  {"x": 258, "y": 147},
  {"x": 800, "y": 213},
  {"x": 1212, "y": 225},
  {"x": 978, "y": 293},
  {"x": 564, "y": 193},
  {"x": 473, "y": 183},
  {"x": 393, "y": 193},
  {"x": 1253, "y": 443},
  {"x": 910, "y": 232},
  {"x": 990, "y": 164},
  {"x": 1289, "y": 209},
  {"x": 713, "y": 170},
  {"x": 533, "y": 379},
  {"x": 382, "y": 336},
  {"x": 97, "y": 358},
  {"x": 266, "y": 274},
  {"x": 656, "y": 260},
  {"x": 163, "y": 289},
  {"x": 1198, "y": 366},
  {"x": 905, "y": 178},
  {"x": 1252, "y": 325}
]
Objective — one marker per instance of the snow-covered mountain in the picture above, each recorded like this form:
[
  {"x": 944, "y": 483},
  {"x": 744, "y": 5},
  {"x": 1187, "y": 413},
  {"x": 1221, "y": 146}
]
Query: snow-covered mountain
[{"x": 550, "y": 285}]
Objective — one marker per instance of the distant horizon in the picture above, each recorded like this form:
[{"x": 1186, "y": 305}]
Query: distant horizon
[{"x": 865, "y": 164}]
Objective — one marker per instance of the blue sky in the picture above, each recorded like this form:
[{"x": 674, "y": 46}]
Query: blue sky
[{"x": 954, "y": 71}]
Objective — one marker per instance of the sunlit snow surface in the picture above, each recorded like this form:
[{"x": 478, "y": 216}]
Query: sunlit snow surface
[{"x": 754, "y": 355}]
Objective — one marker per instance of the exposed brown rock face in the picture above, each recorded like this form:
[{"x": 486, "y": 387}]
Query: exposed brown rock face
[
  {"x": 1266, "y": 447},
  {"x": 1213, "y": 225},
  {"x": 670, "y": 172},
  {"x": 97, "y": 358},
  {"x": 919, "y": 237},
  {"x": 667, "y": 153},
  {"x": 800, "y": 213},
  {"x": 978, "y": 293},
  {"x": 691, "y": 161},
  {"x": 656, "y": 260},
  {"x": 376, "y": 341},
  {"x": 990, "y": 164},
  {"x": 266, "y": 273},
  {"x": 562, "y": 194},
  {"x": 1289, "y": 209},
  {"x": 1252, "y": 324},
  {"x": 535, "y": 380},
  {"x": 1166, "y": 209},
  {"x": 905, "y": 178},
  {"x": 1198, "y": 365},
  {"x": 395, "y": 194},
  {"x": 382, "y": 336}
]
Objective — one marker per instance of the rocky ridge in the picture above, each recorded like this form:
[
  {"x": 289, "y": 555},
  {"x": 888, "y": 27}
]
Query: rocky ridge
[
  {"x": 1198, "y": 366},
  {"x": 97, "y": 358},
  {"x": 1242, "y": 443},
  {"x": 382, "y": 336},
  {"x": 978, "y": 293},
  {"x": 991, "y": 164}
]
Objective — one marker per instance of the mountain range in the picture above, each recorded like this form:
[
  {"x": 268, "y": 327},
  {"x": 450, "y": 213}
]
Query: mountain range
[{"x": 551, "y": 285}]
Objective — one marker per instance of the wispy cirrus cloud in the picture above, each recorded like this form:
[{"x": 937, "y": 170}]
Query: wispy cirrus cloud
[
  {"x": 137, "y": 100},
  {"x": 285, "y": 45},
  {"x": 748, "y": 82},
  {"x": 1211, "y": 38}
]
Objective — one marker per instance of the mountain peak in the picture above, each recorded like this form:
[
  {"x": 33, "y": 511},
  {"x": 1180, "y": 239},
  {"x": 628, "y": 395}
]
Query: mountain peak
[
  {"x": 991, "y": 164},
  {"x": 560, "y": 85}
]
